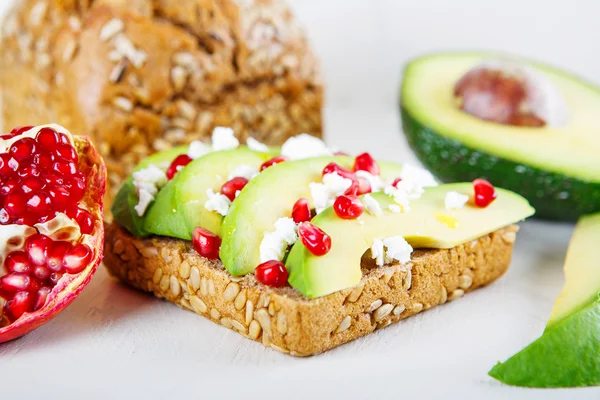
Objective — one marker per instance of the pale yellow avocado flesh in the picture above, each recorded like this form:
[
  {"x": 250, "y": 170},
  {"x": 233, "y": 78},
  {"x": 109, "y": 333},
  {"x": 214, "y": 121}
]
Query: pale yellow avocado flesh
[
  {"x": 582, "y": 270},
  {"x": 571, "y": 149},
  {"x": 427, "y": 225}
]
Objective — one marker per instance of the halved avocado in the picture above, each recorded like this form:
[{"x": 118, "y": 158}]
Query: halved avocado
[
  {"x": 557, "y": 169},
  {"x": 179, "y": 205},
  {"x": 267, "y": 198},
  {"x": 123, "y": 206},
  {"x": 424, "y": 226},
  {"x": 567, "y": 354}
]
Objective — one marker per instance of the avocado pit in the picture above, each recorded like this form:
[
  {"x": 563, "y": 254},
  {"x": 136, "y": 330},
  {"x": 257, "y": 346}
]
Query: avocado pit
[{"x": 509, "y": 93}]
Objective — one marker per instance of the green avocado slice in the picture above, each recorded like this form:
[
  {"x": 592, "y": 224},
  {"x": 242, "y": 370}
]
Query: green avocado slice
[
  {"x": 562, "y": 181},
  {"x": 126, "y": 199},
  {"x": 179, "y": 205},
  {"x": 567, "y": 354},
  {"x": 267, "y": 198},
  {"x": 424, "y": 226}
]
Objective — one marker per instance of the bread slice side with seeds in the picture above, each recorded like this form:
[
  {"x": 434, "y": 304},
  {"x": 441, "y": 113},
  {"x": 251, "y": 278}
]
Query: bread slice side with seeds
[{"x": 281, "y": 318}]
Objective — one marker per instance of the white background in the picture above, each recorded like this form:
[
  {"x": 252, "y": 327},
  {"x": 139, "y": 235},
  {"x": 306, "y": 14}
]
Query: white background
[{"x": 116, "y": 343}]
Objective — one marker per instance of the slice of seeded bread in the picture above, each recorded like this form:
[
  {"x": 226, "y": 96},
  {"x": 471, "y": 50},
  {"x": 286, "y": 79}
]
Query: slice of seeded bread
[{"x": 282, "y": 318}]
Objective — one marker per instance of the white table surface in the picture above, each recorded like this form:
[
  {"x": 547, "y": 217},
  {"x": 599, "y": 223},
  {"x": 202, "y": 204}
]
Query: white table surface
[{"x": 113, "y": 342}]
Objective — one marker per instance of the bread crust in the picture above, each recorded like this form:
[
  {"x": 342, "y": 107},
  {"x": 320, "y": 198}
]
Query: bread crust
[
  {"x": 144, "y": 75},
  {"x": 283, "y": 319}
]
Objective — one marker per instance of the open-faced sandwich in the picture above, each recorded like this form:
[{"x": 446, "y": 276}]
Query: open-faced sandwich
[{"x": 302, "y": 248}]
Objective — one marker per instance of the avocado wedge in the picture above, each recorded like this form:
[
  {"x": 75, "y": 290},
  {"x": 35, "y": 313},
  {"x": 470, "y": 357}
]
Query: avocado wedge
[
  {"x": 126, "y": 199},
  {"x": 424, "y": 226},
  {"x": 271, "y": 196},
  {"x": 566, "y": 355},
  {"x": 179, "y": 205},
  {"x": 555, "y": 168}
]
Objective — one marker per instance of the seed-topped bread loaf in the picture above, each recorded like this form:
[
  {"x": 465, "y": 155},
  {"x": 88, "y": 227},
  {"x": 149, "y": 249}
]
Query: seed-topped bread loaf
[
  {"x": 283, "y": 319},
  {"x": 144, "y": 75}
]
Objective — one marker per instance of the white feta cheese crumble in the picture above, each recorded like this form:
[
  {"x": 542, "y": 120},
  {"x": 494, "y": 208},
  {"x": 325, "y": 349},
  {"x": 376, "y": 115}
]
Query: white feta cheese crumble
[
  {"x": 372, "y": 205},
  {"x": 395, "y": 208},
  {"x": 419, "y": 175},
  {"x": 255, "y": 145},
  {"x": 404, "y": 192},
  {"x": 243, "y": 171},
  {"x": 217, "y": 202},
  {"x": 274, "y": 244},
  {"x": 377, "y": 184},
  {"x": 224, "y": 139},
  {"x": 147, "y": 182},
  {"x": 386, "y": 250},
  {"x": 197, "y": 149},
  {"x": 455, "y": 200},
  {"x": 304, "y": 146},
  {"x": 324, "y": 194}
]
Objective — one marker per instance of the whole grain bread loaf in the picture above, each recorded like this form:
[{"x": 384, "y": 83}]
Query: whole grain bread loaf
[
  {"x": 143, "y": 75},
  {"x": 283, "y": 319}
]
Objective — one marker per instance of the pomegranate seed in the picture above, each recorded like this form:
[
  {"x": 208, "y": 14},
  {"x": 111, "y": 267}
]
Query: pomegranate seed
[
  {"x": 231, "y": 187},
  {"x": 17, "y": 306},
  {"x": 17, "y": 261},
  {"x": 364, "y": 186},
  {"x": 343, "y": 172},
  {"x": 31, "y": 184},
  {"x": 365, "y": 162},
  {"x": 30, "y": 170},
  {"x": 206, "y": 243},
  {"x": 178, "y": 163},
  {"x": 8, "y": 186},
  {"x": 40, "y": 204},
  {"x": 64, "y": 168},
  {"x": 52, "y": 178},
  {"x": 36, "y": 247},
  {"x": 54, "y": 278},
  {"x": 41, "y": 297},
  {"x": 20, "y": 129},
  {"x": 76, "y": 188},
  {"x": 64, "y": 138},
  {"x": 47, "y": 138},
  {"x": 77, "y": 258},
  {"x": 84, "y": 220},
  {"x": 41, "y": 272},
  {"x": 43, "y": 160},
  {"x": 314, "y": 239},
  {"x": 60, "y": 197},
  {"x": 22, "y": 149},
  {"x": 8, "y": 165},
  {"x": 272, "y": 273},
  {"x": 396, "y": 181},
  {"x": 353, "y": 189},
  {"x": 340, "y": 153},
  {"x": 66, "y": 152},
  {"x": 14, "y": 203},
  {"x": 273, "y": 161},
  {"x": 55, "y": 255},
  {"x": 485, "y": 192},
  {"x": 348, "y": 207},
  {"x": 301, "y": 211},
  {"x": 13, "y": 283}
]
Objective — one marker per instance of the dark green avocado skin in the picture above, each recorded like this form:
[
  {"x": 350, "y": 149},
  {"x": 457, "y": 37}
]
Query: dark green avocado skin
[{"x": 554, "y": 196}]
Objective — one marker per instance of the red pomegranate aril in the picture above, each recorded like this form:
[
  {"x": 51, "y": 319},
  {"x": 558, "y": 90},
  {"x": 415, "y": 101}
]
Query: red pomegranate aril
[
  {"x": 353, "y": 189},
  {"x": 343, "y": 172},
  {"x": 47, "y": 138},
  {"x": 18, "y": 305},
  {"x": 17, "y": 261},
  {"x": 364, "y": 186},
  {"x": 76, "y": 188},
  {"x": 22, "y": 149},
  {"x": 56, "y": 253},
  {"x": 41, "y": 273},
  {"x": 396, "y": 181},
  {"x": 13, "y": 283},
  {"x": 40, "y": 204},
  {"x": 64, "y": 168},
  {"x": 348, "y": 207},
  {"x": 36, "y": 247},
  {"x": 54, "y": 278},
  {"x": 231, "y": 187},
  {"x": 77, "y": 258},
  {"x": 66, "y": 152},
  {"x": 8, "y": 165},
  {"x": 365, "y": 162},
  {"x": 273, "y": 161},
  {"x": 206, "y": 243},
  {"x": 314, "y": 239},
  {"x": 301, "y": 211},
  {"x": 31, "y": 184},
  {"x": 43, "y": 160},
  {"x": 8, "y": 185},
  {"x": 60, "y": 197},
  {"x": 40, "y": 297},
  {"x": 29, "y": 170},
  {"x": 271, "y": 273},
  {"x": 84, "y": 220},
  {"x": 14, "y": 203},
  {"x": 178, "y": 163},
  {"x": 485, "y": 192},
  {"x": 340, "y": 153},
  {"x": 19, "y": 130}
]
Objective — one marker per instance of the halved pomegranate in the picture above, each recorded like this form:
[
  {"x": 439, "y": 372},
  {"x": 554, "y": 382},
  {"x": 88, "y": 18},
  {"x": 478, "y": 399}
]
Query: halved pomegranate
[{"x": 51, "y": 230}]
